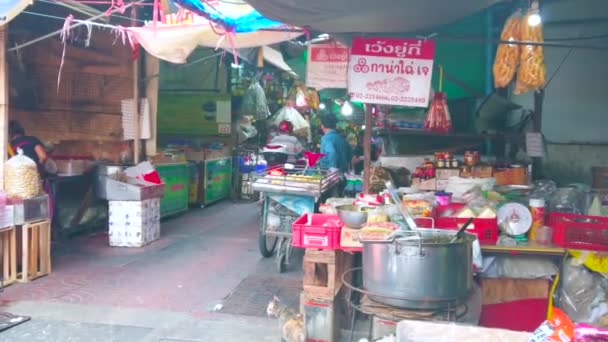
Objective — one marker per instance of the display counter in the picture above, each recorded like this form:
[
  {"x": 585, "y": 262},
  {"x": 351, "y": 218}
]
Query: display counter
[
  {"x": 216, "y": 181},
  {"x": 175, "y": 177}
]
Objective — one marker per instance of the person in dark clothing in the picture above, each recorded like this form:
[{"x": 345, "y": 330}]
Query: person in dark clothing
[
  {"x": 358, "y": 153},
  {"x": 31, "y": 146}
]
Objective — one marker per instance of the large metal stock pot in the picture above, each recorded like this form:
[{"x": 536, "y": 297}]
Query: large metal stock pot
[{"x": 419, "y": 270}]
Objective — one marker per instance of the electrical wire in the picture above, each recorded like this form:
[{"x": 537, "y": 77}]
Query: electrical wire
[
  {"x": 84, "y": 22},
  {"x": 63, "y": 19},
  {"x": 114, "y": 15},
  {"x": 599, "y": 36}
]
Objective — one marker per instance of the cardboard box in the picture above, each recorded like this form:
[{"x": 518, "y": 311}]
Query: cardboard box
[
  {"x": 483, "y": 171},
  {"x": 425, "y": 184},
  {"x": 445, "y": 174},
  {"x": 442, "y": 184},
  {"x": 502, "y": 290},
  {"x": 349, "y": 238}
]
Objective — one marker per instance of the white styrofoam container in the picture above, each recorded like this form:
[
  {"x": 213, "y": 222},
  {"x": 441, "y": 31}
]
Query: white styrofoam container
[
  {"x": 7, "y": 216},
  {"x": 133, "y": 223}
]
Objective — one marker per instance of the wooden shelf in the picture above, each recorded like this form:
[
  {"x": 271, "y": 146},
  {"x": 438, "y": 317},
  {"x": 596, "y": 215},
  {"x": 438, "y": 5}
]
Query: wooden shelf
[
  {"x": 423, "y": 133},
  {"x": 529, "y": 248}
]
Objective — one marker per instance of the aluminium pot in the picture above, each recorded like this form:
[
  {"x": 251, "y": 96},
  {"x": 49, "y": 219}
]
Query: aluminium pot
[{"x": 420, "y": 270}]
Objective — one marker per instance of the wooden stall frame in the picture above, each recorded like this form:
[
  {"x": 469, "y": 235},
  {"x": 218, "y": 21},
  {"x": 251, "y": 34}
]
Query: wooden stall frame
[
  {"x": 36, "y": 250},
  {"x": 323, "y": 271},
  {"x": 8, "y": 239}
]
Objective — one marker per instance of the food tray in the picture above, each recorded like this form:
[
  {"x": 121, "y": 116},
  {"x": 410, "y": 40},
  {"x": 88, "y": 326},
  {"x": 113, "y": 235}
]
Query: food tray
[
  {"x": 323, "y": 232},
  {"x": 486, "y": 229},
  {"x": 296, "y": 182},
  {"x": 579, "y": 231}
]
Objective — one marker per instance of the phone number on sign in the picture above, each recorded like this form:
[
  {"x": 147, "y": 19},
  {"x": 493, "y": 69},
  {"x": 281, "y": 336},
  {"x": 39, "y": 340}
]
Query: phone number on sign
[{"x": 381, "y": 97}]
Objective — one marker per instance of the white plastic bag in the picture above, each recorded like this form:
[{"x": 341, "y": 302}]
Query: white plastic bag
[
  {"x": 21, "y": 177},
  {"x": 254, "y": 102},
  {"x": 460, "y": 186},
  {"x": 292, "y": 115}
]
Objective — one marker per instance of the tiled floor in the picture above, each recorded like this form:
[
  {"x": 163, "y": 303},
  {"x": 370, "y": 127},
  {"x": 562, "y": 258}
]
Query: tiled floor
[{"x": 201, "y": 258}]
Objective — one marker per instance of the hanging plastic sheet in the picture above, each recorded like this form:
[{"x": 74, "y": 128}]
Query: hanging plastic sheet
[
  {"x": 174, "y": 43},
  {"x": 298, "y": 204}
]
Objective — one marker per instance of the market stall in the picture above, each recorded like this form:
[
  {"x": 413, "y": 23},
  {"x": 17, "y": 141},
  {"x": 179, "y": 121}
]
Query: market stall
[{"x": 524, "y": 230}]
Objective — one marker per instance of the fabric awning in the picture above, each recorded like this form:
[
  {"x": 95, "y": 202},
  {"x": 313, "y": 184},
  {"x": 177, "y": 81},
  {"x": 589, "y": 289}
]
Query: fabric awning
[
  {"x": 9, "y": 9},
  {"x": 354, "y": 16},
  {"x": 175, "y": 43}
]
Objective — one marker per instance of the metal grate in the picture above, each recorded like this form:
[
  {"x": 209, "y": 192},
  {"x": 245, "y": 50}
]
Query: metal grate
[
  {"x": 254, "y": 293},
  {"x": 280, "y": 218}
]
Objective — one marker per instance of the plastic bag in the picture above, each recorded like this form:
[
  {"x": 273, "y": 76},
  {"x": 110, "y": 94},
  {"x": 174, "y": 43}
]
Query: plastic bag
[
  {"x": 532, "y": 71},
  {"x": 507, "y": 55},
  {"x": 21, "y": 177},
  {"x": 312, "y": 98},
  {"x": 254, "y": 102},
  {"x": 589, "y": 333},
  {"x": 300, "y": 125},
  {"x": 557, "y": 329},
  {"x": 581, "y": 293}
]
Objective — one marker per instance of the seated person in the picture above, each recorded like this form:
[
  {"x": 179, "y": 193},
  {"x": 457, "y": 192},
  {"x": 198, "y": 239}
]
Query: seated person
[{"x": 287, "y": 139}]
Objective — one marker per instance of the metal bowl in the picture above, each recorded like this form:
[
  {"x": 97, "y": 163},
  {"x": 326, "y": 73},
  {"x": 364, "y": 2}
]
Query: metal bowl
[{"x": 352, "y": 216}]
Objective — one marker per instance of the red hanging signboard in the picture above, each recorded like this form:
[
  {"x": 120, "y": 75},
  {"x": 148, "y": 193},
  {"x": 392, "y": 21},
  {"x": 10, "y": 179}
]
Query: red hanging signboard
[{"x": 391, "y": 71}]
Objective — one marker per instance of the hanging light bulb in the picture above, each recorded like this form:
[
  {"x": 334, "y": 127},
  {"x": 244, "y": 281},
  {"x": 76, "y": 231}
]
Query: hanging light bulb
[
  {"x": 534, "y": 18},
  {"x": 322, "y": 106},
  {"x": 347, "y": 108}
]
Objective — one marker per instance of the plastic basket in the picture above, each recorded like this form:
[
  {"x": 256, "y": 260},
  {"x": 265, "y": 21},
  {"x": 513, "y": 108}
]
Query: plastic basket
[
  {"x": 579, "y": 231},
  {"x": 323, "y": 232},
  {"x": 486, "y": 229}
]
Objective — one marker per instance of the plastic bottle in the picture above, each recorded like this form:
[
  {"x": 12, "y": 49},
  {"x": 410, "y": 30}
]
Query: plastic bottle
[{"x": 537, "y": 208}]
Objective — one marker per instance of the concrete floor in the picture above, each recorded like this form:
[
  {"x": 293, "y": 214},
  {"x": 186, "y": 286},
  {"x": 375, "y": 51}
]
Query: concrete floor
[{"x": 165, "y": 291}]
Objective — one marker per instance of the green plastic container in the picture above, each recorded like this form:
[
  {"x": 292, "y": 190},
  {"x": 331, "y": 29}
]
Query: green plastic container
[{"x": 176, "y": 179}]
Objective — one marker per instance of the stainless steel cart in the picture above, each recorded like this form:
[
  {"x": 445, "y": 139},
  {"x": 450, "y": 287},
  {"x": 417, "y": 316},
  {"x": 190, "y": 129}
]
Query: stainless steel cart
[{"x": 285, "y": 198}]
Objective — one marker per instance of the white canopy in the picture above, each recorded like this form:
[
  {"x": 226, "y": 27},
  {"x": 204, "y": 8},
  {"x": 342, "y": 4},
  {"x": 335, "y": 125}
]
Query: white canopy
[{"x": 175, "y": 43}]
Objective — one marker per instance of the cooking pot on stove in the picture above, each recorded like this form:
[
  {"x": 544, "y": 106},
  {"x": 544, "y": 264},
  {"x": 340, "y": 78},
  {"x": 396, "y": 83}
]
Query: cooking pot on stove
[{"x": 420, "y": 269}]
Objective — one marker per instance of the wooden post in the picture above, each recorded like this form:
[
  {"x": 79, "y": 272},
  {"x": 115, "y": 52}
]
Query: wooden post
[
  {"x": 152, "y": 81},
  {"x": 261, "y": 57},
  {"x": 367, "y": 149},
  {"x": 537, "y": 125},
  {"x": 4, "y": 98},
  {"x": 136, "y": 141}
]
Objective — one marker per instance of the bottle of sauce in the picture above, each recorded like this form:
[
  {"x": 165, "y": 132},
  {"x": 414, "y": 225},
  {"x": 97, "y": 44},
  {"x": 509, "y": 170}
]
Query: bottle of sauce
[{"x": 537, "y": 208}]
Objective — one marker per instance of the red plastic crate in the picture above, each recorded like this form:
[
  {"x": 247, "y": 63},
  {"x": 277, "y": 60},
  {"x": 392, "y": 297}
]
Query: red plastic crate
[
  {"x": 486, "y": 229},
  {"x": 570, "y": 232},
  {"x": 323, "y": 232}
]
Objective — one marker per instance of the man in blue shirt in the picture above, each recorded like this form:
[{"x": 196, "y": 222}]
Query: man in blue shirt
[{"x": 334, "y": 146}]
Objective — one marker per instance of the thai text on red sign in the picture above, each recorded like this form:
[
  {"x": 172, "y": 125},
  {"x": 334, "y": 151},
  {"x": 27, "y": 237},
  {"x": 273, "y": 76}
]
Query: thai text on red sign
[{"x": 391, "y": 71}]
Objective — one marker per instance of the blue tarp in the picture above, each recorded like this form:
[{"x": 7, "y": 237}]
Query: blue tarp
[{"x": 248, "y": 22}]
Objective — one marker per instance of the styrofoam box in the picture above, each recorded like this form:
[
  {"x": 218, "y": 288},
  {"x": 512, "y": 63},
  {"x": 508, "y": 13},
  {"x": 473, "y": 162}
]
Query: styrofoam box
[
  {"x": 133, "y": 223},
  {"x": 134, "y": 212}
]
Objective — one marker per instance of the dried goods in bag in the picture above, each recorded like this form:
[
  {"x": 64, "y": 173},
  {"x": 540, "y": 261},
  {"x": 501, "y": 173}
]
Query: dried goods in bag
[
  {"x": 507, "y": 55},
  {"x": 532, "y": 70},
  {"x": 21, "y": 177}
]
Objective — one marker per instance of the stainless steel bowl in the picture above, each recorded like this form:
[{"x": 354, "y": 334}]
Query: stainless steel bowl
[{"x": 352, "y": 215}]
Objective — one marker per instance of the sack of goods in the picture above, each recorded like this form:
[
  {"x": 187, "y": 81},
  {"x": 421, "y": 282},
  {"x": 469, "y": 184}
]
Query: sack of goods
[{"x": 21, "y": 178}]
